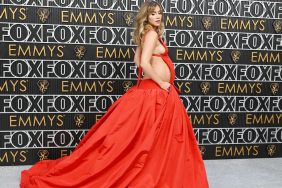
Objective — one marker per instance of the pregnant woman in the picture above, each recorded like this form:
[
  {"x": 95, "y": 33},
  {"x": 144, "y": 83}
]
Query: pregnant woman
[{"x": 145, "y": 140}]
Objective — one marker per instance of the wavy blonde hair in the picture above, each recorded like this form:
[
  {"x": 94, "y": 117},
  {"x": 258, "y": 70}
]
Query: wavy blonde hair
[{"x": 142, "y": 25}]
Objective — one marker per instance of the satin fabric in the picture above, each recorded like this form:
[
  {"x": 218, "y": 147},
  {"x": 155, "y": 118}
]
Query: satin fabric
[{"x": 144, "y": 140}]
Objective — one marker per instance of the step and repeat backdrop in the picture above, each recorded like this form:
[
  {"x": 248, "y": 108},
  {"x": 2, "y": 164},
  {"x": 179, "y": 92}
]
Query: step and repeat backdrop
[{"x": 63, "y": 63}]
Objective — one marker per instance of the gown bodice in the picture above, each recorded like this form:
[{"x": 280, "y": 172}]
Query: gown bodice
[{"x": 168, "y": 62}]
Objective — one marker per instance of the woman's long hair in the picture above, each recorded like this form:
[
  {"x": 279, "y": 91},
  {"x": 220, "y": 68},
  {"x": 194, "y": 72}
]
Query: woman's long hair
[{"x": 142, "y": 25}]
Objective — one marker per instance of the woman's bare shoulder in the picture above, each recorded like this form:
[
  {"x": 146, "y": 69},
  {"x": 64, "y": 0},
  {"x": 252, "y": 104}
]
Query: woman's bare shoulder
[
  {"x": 149, "y": 36},
  {"x": 151, "y": 33}
]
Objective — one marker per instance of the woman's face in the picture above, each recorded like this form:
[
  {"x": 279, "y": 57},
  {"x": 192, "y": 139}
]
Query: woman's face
[{"x": 155, "y": 17}]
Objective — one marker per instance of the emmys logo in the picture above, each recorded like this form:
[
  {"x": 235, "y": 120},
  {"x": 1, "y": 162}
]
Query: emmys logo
[
  {"x": 232, "y": 118},
  {"x": 271, "y": 149},
  {"x": 235, "y": 56},
  {"x": 127, "y": 85},
  {"x": 205, "y": 86},
  {"x": 43, "y": 85},
  {"x": 128, "y": 17},
  {"x": 202, "y": 150},
  {"x": 43, "y": 14},
  {"x": 277, "y": 24},
  {"x": 43, "y": 154},
  {"x": 79, "y": 119},
  {"x": 274, "y": 88},
  {"x": 79, "y": 51},
  {"x": 207, "y": 21}
]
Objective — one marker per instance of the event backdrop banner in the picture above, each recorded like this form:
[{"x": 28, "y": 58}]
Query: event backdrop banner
[{"x": 63, "y": 63}]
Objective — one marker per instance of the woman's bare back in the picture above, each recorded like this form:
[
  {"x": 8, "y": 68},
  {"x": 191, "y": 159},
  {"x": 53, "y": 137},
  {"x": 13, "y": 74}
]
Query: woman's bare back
[{"x": 158, "y": 65}]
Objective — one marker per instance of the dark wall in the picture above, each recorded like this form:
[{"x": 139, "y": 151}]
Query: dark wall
[{"x": 63, "y": 63}]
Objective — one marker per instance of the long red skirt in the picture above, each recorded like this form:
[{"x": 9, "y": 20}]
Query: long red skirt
[{"x": 145, "y": 140}]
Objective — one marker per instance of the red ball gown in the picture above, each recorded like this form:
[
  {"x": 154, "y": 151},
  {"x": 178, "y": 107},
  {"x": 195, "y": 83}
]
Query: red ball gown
[{"x": 144, "y": 140}]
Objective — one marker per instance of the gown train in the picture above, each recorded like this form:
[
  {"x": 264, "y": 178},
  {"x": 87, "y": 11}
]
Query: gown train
[{"x": 144, "y": 140}]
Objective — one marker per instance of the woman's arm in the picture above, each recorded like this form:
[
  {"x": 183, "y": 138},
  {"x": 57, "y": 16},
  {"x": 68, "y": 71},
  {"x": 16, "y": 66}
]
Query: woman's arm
[{"x": 150, "y": 41}]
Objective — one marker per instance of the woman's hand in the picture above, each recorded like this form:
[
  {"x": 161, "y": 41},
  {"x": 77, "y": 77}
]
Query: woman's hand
[{"x": 165, "y": 86}]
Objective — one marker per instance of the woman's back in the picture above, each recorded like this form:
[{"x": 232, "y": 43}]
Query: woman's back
[{"x": 156, "y": 61}]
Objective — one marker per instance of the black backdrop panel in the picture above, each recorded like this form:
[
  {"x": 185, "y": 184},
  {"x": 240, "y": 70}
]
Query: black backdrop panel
[{"x": 64, "y": 63}]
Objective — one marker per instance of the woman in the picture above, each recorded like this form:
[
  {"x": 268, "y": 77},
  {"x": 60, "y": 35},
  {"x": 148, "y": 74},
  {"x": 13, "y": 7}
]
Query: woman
[{"x": 145, "y": 140}]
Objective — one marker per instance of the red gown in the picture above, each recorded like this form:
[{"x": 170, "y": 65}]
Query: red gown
[{"x": 144, "y": 140}]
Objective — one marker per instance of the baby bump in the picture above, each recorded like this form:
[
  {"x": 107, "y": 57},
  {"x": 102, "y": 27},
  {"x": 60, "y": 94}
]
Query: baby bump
[{"x": 160, "y": 68}]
